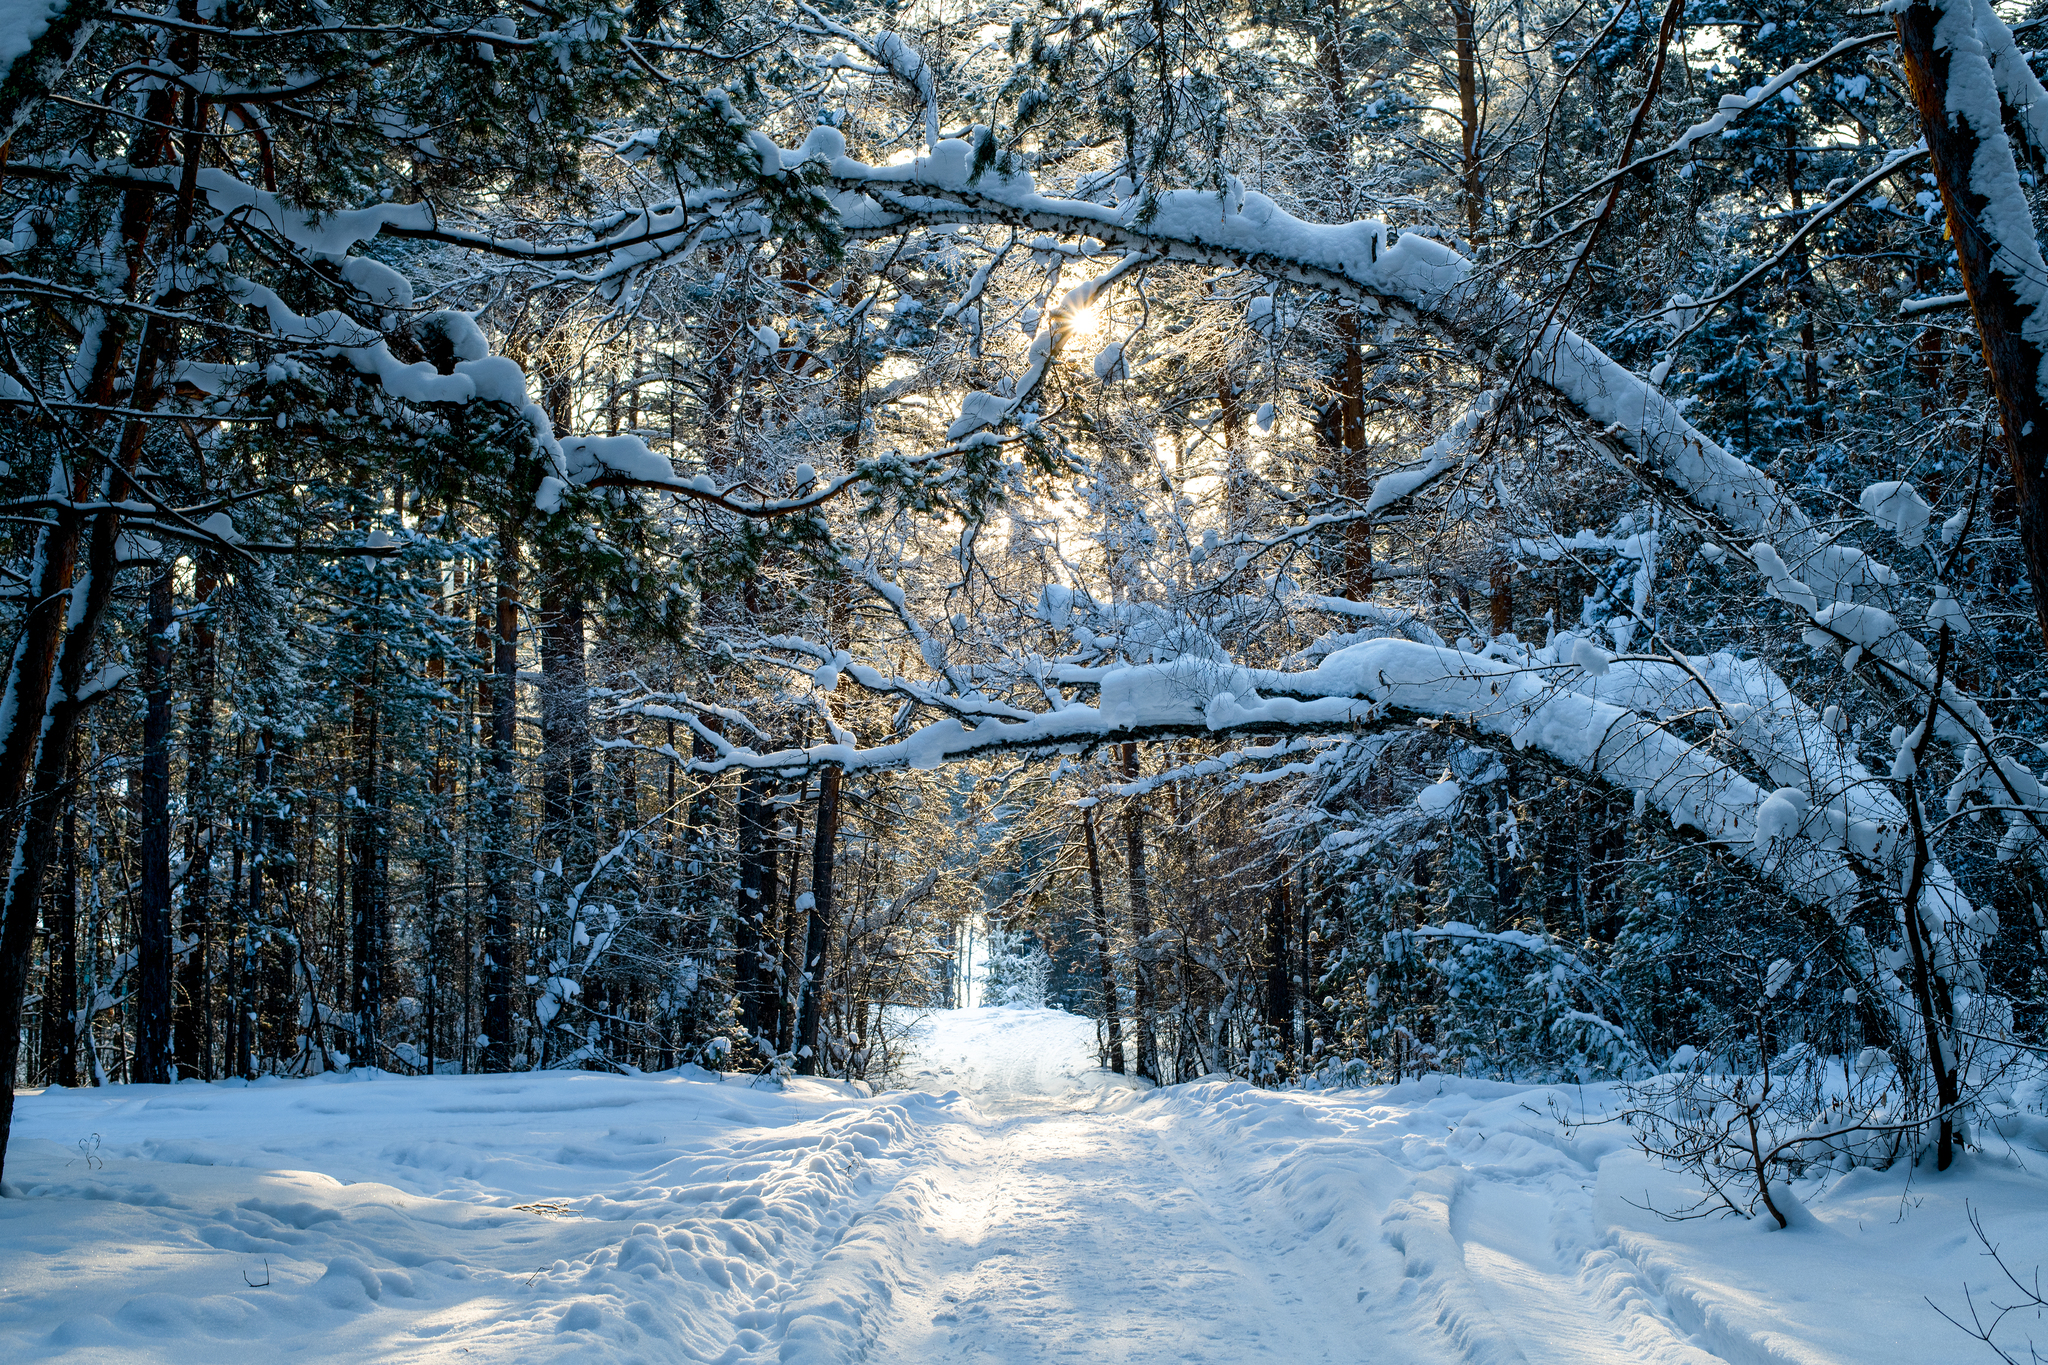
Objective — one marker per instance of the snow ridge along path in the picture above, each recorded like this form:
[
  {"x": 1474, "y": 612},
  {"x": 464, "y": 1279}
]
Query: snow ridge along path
[{"x": 1019, "y": 1206}]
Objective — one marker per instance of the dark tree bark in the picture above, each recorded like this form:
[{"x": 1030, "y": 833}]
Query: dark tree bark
[
  {"x": 153, "y": 956},
  {"x": 1112, "y": 1014},
  {"x": 368, "y": 841},
  {"x": 1142, "y": 952},
  {"x": 499, "y": 877},
  {"x": 564, "y": 719},
  {"x": 1354, "y": 478},
  {"x": 60, "y": 939},
  {"x": 276, "y": 1020},
  {"x": 752, "y": 904},
  {"x": 1279, "y": 964},
  {"x": 1500, "y": 605},
  {"x": 694, "y": 1015},
  {"x": 192, "y": 1025},
  {"x": 1310, "y": 970},
  {"x": 824, "y": 851},
  {"x": 1340, "y": 427},
  {"x": 251, "y": 911},
  {"x": 789, "y": 945}
]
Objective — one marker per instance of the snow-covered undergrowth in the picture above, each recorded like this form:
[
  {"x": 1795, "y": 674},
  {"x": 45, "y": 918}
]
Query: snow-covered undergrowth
[
  {"x": 1468, "y": 1207},
  {"x": 1033, "y": 1208}
]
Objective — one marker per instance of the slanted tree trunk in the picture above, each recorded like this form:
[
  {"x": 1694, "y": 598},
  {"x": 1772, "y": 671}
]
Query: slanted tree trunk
[
  {"x": 153, "y": 955},
  {"x": 1105, "y": 961},
  {"x": 1143, "y": 951},
  {"x": 1996, "y": 250},
  {"x": 824, "y": 852},
  {"x": 1935, "y": 994}
]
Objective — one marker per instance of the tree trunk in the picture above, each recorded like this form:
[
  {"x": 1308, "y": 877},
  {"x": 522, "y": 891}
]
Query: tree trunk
[
  {"x": 824, "y": 849},
  {"x": 153, "y": 949},
  {"x": 35, "y": 828},
  {"x": 1954, "y": 89},
  {"x": 1237, "y": 476},
  {"x": 44, "y": 733},
  {"x": 1500, "y": 604},
  {"x": 252, "y": 912},
  {"x": 499, "y": 891},
  {"x": 788, "y": 951},
  {"x": 564, "y": 719},
  {"x": 1142, "y": 951},
  {"x": 1354, "y": 483},
  {"x": 752, "y": 904},
  {"x": 1112, "y": 1014},
  {"x": 60, "y": 944},
  {"x": 1472, "y": 180},
  {"x": 367, "y": 840},
  {"x": 695, "y": 1013},
  {"x": 1799, "y": 278},
  {"x": 192, "y": 1024},
  {"x": 1309, "y": 976},
  {"x": 1279, "y": 964}
]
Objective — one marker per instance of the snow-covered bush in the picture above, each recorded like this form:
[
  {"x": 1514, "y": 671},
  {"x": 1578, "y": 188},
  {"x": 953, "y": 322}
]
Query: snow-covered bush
[{"x": 1015, "y": 972}]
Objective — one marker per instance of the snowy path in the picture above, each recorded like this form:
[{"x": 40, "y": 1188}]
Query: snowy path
[
  {"x": 1080, "y": 1221},
  {"x": 1023, "y": 1208},
  {"x": 1067, "y": 1232}
]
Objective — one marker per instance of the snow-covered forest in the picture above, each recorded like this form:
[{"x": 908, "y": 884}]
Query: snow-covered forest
[{"x": 1342, "y": 541}]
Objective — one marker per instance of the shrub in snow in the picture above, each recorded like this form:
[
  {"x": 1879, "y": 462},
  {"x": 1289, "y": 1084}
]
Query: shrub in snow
[{"x": 1745, "y": 1135}]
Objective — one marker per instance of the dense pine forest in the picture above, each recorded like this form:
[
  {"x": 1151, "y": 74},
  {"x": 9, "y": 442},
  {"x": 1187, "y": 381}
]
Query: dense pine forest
[{"x": 1339, "y": 540}]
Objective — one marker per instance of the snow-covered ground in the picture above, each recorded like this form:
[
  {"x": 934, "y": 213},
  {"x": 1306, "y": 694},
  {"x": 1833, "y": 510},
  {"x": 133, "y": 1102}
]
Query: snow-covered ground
[{"x": 1019, "y": 1206}]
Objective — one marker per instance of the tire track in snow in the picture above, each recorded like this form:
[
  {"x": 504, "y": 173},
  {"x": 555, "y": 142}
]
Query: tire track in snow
[
  {"x": 1072, "y": 1224},
  {"x": 1071, "y": 1236},
  {"x": 1216, "y": 1222}
]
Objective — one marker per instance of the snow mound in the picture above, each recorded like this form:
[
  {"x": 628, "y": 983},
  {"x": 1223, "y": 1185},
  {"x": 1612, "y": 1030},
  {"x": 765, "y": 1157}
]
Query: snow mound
[{"x": 482, "y": 1217}]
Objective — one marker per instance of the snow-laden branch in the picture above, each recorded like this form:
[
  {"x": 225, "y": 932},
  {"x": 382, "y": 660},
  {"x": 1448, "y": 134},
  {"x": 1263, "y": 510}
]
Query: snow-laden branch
[{"x": 1377, "y": 682}]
